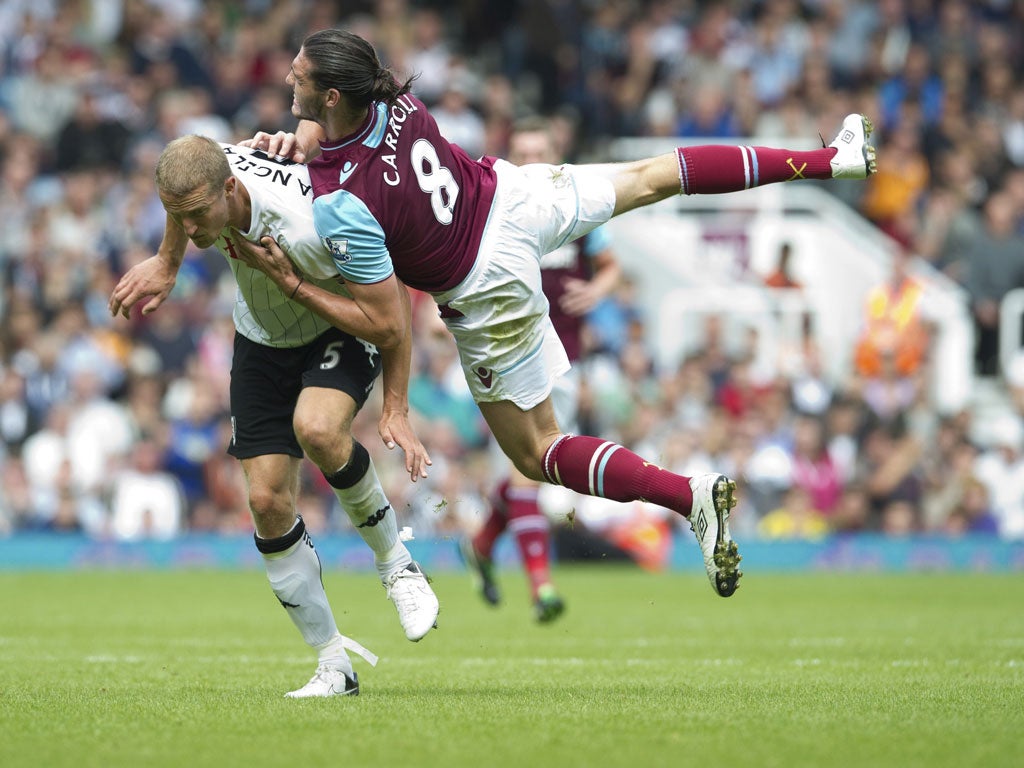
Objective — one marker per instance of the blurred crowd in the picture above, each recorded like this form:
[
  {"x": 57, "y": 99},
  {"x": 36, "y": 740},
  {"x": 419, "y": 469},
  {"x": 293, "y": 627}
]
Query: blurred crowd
[{"x": 117, "y": 428}]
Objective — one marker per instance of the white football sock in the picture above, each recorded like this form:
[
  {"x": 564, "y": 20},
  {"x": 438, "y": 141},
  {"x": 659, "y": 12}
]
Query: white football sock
[
  {"x": 374, "y": 519},
  {"x": 295, "y": 577}
]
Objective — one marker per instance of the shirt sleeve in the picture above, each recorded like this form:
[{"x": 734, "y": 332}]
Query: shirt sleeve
[
  {"x": 597, "y": 240},
  {"x": 353, "y": 237}
]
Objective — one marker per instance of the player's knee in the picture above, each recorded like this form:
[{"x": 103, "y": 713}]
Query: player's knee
[
  {"x": 273, "y": 512},
  {"x": 319, "y": 433}
]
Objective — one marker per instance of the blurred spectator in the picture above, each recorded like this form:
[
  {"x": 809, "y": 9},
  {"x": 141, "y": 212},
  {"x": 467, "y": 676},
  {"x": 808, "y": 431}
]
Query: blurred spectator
[
  {"x": 16, "y": 502},
  {"x": 892, "y": 196},
  {"x": 15, "y": 417},
  {"x": 782, "y": 275},
  {"x": 949, "y": 469},
  {"x": 173, "y": 338},
  {"x": 973, "y": 514},
  {"x": 853, "y": 510},
  {"x": 91, "y": 140},
  {"x": 710, "y": 114},
  {"x": 616, "y": 318},
  {"x": 193, "y": 436},
  {"x": 146, "y": 502},
  {"x": 1000, "y": 469},
  {"x": 813, "y": 468},
  {"x": 996, "y": 268},
  {"x": 1015, "y": 382},
  {"x": 796, "y": 518},
  {"x": 896, "y": 332},
  {"x": 429, "y": 56},
  {"x": 42, "y": 99},
  {"x": 899, "y": 518},
  {"x": 843, "y": 421},
  {"x": 889, "y": 469},
  {"x": 915, "y": 82},
  {"x": 456, "y": 118},
  {"x": 949, "y": 226}
]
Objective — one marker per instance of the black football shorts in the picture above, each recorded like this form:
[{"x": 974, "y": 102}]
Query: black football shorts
[{"x": 266, "y": 382}]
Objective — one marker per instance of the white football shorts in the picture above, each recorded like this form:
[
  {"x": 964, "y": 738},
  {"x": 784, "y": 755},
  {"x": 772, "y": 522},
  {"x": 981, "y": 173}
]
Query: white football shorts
[{"x": 498, "y": 314}]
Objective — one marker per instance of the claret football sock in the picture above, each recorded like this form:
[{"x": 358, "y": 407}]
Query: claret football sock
[
  {"x": 530, "y": 528},
  {"x": 601, "y": 468},
  {"x": 713, "y": 169},
  {"x": 496, "y": 522}
]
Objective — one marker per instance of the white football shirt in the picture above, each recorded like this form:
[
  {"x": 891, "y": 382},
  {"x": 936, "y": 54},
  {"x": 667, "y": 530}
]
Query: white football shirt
[{"x": 282, "y": 207}]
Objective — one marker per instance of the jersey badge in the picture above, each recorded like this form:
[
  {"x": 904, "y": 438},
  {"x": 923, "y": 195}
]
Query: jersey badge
[
  {"x": 486, "y": 377},
  {"x": 338, "y": 248}
]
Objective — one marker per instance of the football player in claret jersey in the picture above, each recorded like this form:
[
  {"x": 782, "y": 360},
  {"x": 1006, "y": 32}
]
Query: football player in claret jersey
[
  {"x": 395, "y": 201},
  {"x": 575, "y": 278},
  {"x": 296, "y": 384}
]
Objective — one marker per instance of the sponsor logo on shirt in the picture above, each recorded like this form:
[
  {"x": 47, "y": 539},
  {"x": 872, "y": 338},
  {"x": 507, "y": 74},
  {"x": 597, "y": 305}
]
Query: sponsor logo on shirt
[
  {"x": 346, "y": 170},
  {"x": 339, "y": 249}
]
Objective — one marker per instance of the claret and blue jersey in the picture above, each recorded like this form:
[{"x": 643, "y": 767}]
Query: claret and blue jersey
[{"x": 396, "y": 197}]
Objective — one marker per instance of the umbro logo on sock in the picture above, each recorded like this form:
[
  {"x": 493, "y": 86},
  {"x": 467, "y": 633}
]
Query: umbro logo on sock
[{"x": 375, "y": 518}]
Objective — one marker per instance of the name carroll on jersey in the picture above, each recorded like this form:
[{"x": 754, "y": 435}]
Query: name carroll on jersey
[{"x": 402, "y": 107}]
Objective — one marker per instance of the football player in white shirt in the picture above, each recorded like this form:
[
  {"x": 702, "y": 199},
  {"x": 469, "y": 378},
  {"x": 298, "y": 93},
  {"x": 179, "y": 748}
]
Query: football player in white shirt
[{"x": 296, "y": 385}]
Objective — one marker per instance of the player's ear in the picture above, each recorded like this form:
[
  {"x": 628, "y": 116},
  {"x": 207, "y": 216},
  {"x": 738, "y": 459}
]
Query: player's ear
[
  {"x": 332, "y": 97},
  {"x": 229, "y": 185}
]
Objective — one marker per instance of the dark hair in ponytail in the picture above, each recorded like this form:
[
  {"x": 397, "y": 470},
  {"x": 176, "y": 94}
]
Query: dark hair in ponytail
[{"x": 348, "y": 63}]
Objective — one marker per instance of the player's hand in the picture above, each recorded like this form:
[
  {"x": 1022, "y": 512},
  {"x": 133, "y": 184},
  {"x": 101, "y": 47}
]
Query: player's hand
[
  {"x": 266, "y": 256},
  {"x": 151, "y": 279},
  {"x": 579, "y": 298},
  {"x": 396, "y": 430},
  {"x": 280, "y": 144}
]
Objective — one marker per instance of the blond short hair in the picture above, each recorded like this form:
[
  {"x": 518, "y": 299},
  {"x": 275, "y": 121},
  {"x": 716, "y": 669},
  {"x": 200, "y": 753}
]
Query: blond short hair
[{"x": 190, "y": 162}]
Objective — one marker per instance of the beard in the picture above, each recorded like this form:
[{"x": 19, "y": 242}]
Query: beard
[{"x": 313, "y": 112}]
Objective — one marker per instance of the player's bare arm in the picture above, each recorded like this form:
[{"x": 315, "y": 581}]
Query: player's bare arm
[
  {"x": 152, "y": 279},
  {"x": 395, "y": 427},
  {"x": 373, "y": 313}
]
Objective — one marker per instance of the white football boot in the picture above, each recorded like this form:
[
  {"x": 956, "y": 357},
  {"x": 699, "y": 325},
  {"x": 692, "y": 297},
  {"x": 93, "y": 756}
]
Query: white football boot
[
  {"x": 327, "y": 681},
  {"x": 713, "y": 496},
  {"x": 416, "y": 602},
  {"x": 855, "y": 158}
]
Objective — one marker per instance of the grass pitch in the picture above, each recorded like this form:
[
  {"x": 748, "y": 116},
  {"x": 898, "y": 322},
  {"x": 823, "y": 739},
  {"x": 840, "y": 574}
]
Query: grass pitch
[{"x": 179, "y": 668}]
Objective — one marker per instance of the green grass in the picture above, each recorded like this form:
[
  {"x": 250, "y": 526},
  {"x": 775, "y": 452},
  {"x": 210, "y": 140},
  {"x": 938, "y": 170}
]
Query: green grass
[{"x": 188, "y": 669}]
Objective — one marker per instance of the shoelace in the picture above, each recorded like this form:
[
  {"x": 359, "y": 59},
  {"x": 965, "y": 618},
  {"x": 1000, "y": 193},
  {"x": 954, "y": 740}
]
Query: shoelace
[
  {"x": 320, "y": 674},
  {"x": 404, "y": 598}
]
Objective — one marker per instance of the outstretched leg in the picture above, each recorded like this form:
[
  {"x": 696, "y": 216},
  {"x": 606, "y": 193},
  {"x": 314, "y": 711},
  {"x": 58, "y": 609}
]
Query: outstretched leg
[
  {"x": 597, "y": 467},
  {"x": 714, "y": 169}
]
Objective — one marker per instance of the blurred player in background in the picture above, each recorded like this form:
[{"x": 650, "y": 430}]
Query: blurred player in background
[
  {"x": 575, "y": 278},
  {"x": 393, "y": 200},
  {"x": 296, "y": 384}
]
